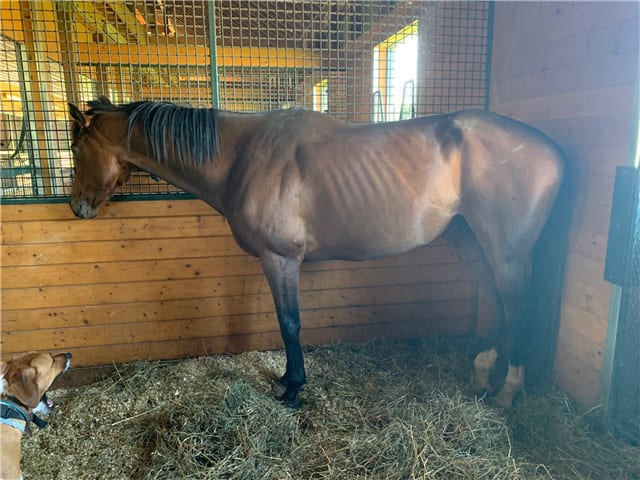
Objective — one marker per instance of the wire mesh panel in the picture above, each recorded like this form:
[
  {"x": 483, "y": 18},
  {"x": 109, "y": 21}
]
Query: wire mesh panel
[
  {"x": 626, "y": 378},
  {"x": 357, "y": 60}
]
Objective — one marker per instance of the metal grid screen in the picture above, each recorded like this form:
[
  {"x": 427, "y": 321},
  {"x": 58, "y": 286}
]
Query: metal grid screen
[
  {"x": 626, "y": 379},
  {"x": 357, "y": 60}
]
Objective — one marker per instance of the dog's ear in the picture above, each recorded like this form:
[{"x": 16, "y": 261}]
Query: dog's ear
[
  {"x": 3, "y": 367},
  {"x": 25, "y": 387}
]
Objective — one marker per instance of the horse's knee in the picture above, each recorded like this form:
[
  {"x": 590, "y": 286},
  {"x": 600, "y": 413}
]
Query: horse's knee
[{"x": 513, "y": 384}]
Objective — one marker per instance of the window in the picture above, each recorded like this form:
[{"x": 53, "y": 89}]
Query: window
[
  {"x": 321, "y": 96},
  {"x": 395, "y": 74}
]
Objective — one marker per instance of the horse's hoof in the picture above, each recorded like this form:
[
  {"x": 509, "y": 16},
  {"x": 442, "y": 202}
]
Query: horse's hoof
[
  {"x": 280, "y": 392},
  {"x": 477, "y": 388},
  {"x": 481, "y": 388},
  {"x": 505, "y": 399},
  {"x": 292, "y": 404}
]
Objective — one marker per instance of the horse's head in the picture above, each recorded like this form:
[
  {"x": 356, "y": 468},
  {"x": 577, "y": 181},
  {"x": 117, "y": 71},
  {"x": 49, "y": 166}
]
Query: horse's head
[{"x": 99, "y": 166}]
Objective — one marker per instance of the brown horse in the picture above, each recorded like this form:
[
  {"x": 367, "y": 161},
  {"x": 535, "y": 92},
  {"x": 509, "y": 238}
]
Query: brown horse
[{"x": 297, "y": 185}]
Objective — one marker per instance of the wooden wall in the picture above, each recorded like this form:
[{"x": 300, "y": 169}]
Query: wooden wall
[
  {"x": 570, "y": 69},
  {"x": 165, "y": 279}
]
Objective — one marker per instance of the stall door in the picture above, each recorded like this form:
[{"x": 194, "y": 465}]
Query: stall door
[{"x": 624, "y": 250}]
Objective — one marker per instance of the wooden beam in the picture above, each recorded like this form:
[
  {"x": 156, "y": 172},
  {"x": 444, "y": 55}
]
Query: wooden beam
[
  {"x": 11, "y": 21},
  {"x": 97, "y": 18},
  {"x": 38, "y": 80},
  {"x": 197, "y": 55},
  {"x": 129, "y": 19},
  {"x": 68, "y": 54}
]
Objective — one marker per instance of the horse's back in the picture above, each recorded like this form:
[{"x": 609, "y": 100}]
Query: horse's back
[
  {"x": 504, "y": 137},
  {"x": 357, "y": 191}
]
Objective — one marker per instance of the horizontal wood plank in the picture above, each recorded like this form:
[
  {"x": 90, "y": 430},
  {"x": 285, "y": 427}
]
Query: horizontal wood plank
[
  {"x": 136, "y": 332},
  {"x": 159, "y": 311},
  {"x": 98, "y": 251},
  {"x": 586, "y": 297},
  {"x": 271, "y": 340},
  {"x": 436, "y": 259},
  {"x": 133, "y": 250},
  {"x": 260, "y": 296},
  {"x": 589, "y": 244},
  {"x": 95, "y": 294},
  {"x": 576, "y": 377},
  {"x": 124, "y": 209},
  {"x": 120, "y": 229},
  {"x": 590, "y": 326},
  {"x": 587, "y": 269},
  {"x": 588, "y": 351}
]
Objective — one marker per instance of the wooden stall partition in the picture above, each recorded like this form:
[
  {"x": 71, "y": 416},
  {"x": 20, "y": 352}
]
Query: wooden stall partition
[
  {"x": 165, "y": 279},
  {"x": 570, "y": 69}
]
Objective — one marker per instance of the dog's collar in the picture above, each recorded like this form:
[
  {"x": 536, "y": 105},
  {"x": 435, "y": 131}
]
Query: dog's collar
[{"x": 11, "y": 411}]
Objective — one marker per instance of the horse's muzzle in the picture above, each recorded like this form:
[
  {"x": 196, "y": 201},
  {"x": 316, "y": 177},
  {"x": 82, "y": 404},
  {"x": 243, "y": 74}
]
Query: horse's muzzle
[{"x": 82, "y": 209}]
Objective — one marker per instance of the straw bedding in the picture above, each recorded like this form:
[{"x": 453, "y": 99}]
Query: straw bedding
[{"x": 380, "y": 410}]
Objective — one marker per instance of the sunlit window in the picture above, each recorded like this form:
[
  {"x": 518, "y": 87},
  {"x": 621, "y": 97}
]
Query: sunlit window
[
  {"x": 321, "y": 96},
  {"x": 395, "y": 74}
]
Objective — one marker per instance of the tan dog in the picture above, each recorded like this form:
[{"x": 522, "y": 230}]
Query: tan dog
[{"x": 24, "y": 381}]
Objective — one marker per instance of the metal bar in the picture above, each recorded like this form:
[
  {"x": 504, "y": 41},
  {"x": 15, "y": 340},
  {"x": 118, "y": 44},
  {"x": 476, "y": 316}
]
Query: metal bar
[
  {"x": 213, "y": 55},
  {"x": 487, "y": 85}
]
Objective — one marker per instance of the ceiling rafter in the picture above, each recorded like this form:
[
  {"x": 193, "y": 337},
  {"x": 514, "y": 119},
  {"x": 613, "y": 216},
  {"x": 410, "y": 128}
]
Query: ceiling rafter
[{"x": 128, "y": 20}]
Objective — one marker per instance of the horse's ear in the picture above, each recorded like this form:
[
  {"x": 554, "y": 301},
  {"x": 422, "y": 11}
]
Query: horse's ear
[
  {"x": 104, "y": 99},
  {"x": 78, "y": 116}
]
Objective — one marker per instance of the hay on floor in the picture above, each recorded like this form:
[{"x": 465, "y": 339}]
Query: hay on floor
[{"x": 380, "y": 410}]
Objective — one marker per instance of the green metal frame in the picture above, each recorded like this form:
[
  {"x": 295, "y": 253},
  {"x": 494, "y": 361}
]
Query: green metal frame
[{"x": 607, "y": 375}]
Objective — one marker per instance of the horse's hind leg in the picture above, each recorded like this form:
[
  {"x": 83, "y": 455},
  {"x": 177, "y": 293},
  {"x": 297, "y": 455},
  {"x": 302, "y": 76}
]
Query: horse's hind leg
[
  {"x": 512, "y": 277},
  {"x": 460, "y": 236}
]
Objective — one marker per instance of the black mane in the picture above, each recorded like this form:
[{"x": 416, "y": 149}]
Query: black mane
[{"x": 172, "y": 132}]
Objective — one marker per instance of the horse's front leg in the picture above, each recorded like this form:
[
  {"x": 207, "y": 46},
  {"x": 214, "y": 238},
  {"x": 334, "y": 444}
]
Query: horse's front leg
[{"x": 283, "y": 275}]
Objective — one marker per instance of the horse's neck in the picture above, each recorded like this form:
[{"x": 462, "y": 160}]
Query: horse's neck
[
  {"x": 204, "y": 181},
  {"x": 207, "y": 181}
]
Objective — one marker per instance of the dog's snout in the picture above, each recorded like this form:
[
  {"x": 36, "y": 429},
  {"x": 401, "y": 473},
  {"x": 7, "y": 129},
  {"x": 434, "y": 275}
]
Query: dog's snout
[{"x": 67, "y": 359}]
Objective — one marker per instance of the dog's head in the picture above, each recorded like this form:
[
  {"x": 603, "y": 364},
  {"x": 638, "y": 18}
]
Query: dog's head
[{"x": 28, "y": 377}]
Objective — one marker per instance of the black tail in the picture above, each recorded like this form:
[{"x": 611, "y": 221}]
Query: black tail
[{"x": 547, "y": 276}]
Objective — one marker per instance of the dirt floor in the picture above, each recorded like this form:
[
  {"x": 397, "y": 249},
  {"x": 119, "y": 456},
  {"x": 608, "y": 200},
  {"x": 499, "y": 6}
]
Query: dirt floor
[{"x": 381, "y": 410}]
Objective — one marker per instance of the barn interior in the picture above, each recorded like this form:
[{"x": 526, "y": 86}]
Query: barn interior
[{"x": 158, "y": 276}]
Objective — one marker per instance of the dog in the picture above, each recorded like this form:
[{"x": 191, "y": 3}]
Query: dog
[{"x": 24, "y": 381}]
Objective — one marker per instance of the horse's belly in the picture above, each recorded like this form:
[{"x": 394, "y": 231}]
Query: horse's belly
[
  {"x": 363, "y": 220},
  {"x": 366, "y": 237}
]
